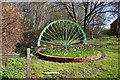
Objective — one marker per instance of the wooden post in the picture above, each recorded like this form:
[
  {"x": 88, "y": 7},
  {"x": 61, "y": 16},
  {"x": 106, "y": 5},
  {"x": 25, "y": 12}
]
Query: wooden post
[{"x": 28, "y": 63}]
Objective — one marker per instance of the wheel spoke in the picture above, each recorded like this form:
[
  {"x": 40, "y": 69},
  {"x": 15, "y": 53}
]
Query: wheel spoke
[
  {"x": 70, "y": 33},
  {"x": 74, "y": 37},
  {"x": 48, "y": 42},
  {"x": 57, "y": 34},
  {"x": 63, "y": 31},
  {"x": 73, "y": 32},
  {"x": 69, "y": 29},
  {"x": 66, "y": 30},
  {"x": 53, "y": 34},
  {"x": 77, "y": 43},
  {"x": 78, "y": 39},
  {"x": 50, "y": 36}
]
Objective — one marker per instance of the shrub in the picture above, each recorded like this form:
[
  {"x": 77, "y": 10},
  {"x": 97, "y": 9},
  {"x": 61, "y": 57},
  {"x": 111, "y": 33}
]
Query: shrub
[{"x": 12, "y": 31}]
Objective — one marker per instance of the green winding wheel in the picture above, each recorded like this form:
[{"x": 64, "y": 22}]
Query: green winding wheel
[{"x": 62, "y": 33}]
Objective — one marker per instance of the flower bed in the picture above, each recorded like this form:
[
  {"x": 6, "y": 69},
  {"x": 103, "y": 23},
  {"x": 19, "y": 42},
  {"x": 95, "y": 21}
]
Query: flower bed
[
  {"x": 76, "y": 51},
  {"x": 70, "y": 54}
]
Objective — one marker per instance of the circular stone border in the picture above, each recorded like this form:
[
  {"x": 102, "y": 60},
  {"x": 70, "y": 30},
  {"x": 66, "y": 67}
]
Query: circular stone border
[{"x": 100, "y": 56}]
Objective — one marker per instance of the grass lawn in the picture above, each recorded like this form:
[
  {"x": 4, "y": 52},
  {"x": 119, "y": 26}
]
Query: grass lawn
[{"x": 107, "y": 68}]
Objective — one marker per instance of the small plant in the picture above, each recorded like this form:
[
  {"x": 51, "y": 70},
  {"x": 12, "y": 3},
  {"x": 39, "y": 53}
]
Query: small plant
[{"x": 78, "y": 51}]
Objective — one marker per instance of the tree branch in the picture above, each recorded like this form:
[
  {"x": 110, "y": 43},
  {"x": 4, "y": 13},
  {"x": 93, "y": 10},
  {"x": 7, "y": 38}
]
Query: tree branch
[
  {"x": 107, "y": 11},
  {"x": 74, "y": 11}
]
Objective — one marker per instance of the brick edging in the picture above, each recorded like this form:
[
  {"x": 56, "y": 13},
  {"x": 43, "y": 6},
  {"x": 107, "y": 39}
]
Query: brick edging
[{"x": 97, "y": 57}]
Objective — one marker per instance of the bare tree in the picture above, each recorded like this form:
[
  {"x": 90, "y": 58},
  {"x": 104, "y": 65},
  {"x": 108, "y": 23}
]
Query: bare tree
[
  {"x": 40, "y": 14},
  {"x": 37, "y": 16},
  {"x": 89, "y": 10}
]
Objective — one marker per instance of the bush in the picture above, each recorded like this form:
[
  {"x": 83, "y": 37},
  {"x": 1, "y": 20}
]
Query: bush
[{"x": 12, "y": 30}]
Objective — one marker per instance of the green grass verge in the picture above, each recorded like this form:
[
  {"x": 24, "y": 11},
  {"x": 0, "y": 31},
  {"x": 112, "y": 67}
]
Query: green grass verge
[{"x": 107, "y": 68}]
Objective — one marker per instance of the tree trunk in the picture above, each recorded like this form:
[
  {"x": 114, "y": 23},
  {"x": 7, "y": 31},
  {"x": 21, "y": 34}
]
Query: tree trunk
[
  {"x": 84, "y": 25},
  {"x": 92, "y": 35},
  {"x": 118, "y": 22},
  {"x": 85, "y": 19}
]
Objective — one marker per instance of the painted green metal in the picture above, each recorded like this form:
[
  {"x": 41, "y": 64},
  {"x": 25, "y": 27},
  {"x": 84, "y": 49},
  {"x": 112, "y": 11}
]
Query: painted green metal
[{"x": 61, "y": 32}]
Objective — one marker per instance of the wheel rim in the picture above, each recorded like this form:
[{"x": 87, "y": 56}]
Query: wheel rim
[{"x": 62, "y": 33}]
